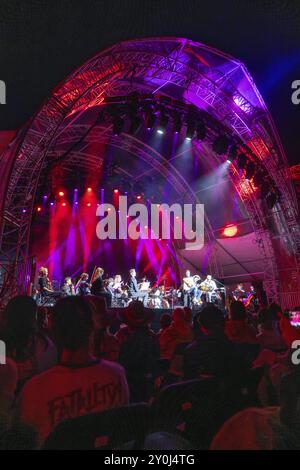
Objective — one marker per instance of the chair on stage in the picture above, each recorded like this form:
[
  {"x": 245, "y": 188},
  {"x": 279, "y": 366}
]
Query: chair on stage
[{"x": 112, "y": 429}]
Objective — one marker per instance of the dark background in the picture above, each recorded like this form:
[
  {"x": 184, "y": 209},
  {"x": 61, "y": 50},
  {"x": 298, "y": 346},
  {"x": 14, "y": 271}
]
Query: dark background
[{"x": 43, "y": 41}]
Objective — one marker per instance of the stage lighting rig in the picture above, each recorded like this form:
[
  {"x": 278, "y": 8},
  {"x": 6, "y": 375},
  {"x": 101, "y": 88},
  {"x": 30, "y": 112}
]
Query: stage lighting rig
[
  {"x": 200, "y": 130},
  {"x": 118, "y": 124},
  {"x": 232, "y": 153},
  {"x": 150, "y": 118},
  {"x": 177, "y": 122},
  {"x": 250, "y": 170},
  {"x": 242, "y": 161},
  {"x": 271, "y": 199},
  {"x": 163, "y": 122},
  {"x": 221, "y": 144}
]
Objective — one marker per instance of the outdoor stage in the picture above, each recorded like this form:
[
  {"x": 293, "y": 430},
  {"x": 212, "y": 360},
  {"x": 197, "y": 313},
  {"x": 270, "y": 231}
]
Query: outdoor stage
[{"x": 162, "y": 121}]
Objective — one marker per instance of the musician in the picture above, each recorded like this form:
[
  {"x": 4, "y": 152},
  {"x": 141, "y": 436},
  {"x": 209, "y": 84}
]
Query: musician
[
  {"x": 209, "y": 286},
  {"x": 190, "y": 289},
  {"x": 45, "y": 286},
  {"x": 68, "y": 287},
  {"x": 83, "y": 287},
  {"x": 239, "y": 293},
  {"x": 98, "y": 287},
  {"x": 133, "y": 288},
  {"x": 253, "y": 299},
  {"x": 117, "y": 284}
]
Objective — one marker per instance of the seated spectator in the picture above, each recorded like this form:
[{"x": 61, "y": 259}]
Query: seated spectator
[
  {"x": 26, "y": 344},
  {"x": 164, "y": 321},
  {"x": 237, "y": 329},
  {"x": 8, "y": 381},
  {"x": 212, "y": 353},
  {"x": 180, "y": 331},
  {"x": 139, "y": 351},
  {"x": 269, "y": 335},
  {"x": 103, "y": 344},
  {"x": 270, "y": 428},
  {"x": 80, "y": 383}
]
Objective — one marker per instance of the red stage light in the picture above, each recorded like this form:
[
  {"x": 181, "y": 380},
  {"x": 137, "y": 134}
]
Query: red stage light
[
  {"x": 230, "y": 230},
  {"x": 64, "y": 204},
  {"x": 116, "y": 191},
  {"x": 139, "y": 197},
  {"x": 89, "y": 190},
  {"x": 61, "y": 193},
  {"x": 89, "y": 204},
  {"x": 39, "y": 209}
]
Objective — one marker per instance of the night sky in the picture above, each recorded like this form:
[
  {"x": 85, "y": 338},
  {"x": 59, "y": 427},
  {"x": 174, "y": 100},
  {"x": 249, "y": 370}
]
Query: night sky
[{"x": 43, "y": 41}]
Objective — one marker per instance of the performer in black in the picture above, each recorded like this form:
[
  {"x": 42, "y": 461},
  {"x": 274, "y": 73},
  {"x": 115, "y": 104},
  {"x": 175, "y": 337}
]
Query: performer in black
[
  {"x": 45, "y": 286},
  {"x": 253, "y": 299},
  {"x": 98, "y": 287},
  {"x": 83, "y": 287},
  {"x": 239, "y": 293},
  {"x": 133, "y": 290}
]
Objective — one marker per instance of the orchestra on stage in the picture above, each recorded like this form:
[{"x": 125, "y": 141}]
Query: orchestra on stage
[{"x": 193, "y": 291}]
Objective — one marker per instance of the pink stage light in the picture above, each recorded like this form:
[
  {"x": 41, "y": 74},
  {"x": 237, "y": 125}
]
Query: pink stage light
[
  {"x": 116, "y": 191},
  {"x": 61, "y": 194},
  {"x": 230, "y": 230},
  {"x": 89, "y": 204},
  {"x": 64, "y": 204}
]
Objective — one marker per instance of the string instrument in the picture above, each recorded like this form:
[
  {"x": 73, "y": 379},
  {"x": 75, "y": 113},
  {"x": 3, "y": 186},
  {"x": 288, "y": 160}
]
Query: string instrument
[
  {"x": 248, "y": 300},
  {"x": 48, "y": 284},
  {"x": 188, "y": 283},
  {"x": 206, "y": 288},
  {"x": 93, "y": 274}
]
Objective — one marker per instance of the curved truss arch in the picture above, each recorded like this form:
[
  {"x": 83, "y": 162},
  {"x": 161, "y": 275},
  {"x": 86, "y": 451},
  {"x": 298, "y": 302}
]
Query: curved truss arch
[{"x": 176, "y": 67}]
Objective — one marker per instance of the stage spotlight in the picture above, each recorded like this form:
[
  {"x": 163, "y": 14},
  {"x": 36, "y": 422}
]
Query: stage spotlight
[
  {"x": 150, "y": 119},
  {"x": 51, "y": 203},
  {"x": 242, "y": 161},
  {"x": 190, "y": 130},
  {"x": 177, "y": 123},
  {"x": 139, "y": 197},
  {"x": 250, "y": 170},
  {"x": 200, "y": 131},
  {"x": 221, "y": 144},
  {"x": 89, "y": 190},
  {"x": 89, "y": 204},
  {"x": 24, "y": 211},
  {"x": 61, "y": 194},
  {"x": 230, "y": 230},
  {"x": 258, "y": 178},
  {"x": 118, "y": 124},
  {"x": 265, "y": 189},
  {"x": 134, "y": 124},
  {"x": 271, "y": 200},
  {"x": 116, "y": 191},
  {"x": 39, "y": 209},
  {"x": 163, "y": 122},
  {"x": 232, "y": 153},
  {"x": 64, "y": 204}
]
